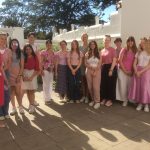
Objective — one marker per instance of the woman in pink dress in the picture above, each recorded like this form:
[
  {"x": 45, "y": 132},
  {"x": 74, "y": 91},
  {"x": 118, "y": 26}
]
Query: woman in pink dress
[
  {"x": 140, "y": 83},
  {"x": 125, "y": 70},
  {"x": 16, "y": 70}
]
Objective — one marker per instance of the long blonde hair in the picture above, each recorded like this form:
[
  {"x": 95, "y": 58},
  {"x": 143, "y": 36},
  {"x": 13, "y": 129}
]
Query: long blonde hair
[{"x": 147, "y": 46}]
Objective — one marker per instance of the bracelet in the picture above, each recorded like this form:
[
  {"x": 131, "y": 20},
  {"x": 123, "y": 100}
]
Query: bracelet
[
  {"x": 110, "y": 70},
  {"x": 19, "y": 74}
]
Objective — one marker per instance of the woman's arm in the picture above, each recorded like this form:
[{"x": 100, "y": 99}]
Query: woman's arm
[
  {"x": 85, "y": 62},
  {"x": 69, "y": 63},
  {"x": 79, "y": 64},
  {"x": 41, "y": 65},
  {"x": 56, "y": 65},
  {"x": 112, "y": 66},
  {"x": 147, "y": 67},
  {"x": 4, "y": 75},
  {"x": 121, "y": 63},
  {"x": 33, "y": 75},
  {"x": 135, "y": 65},
  {"x": 36, "y": 69},
  {"x": 21, "y": 69}
]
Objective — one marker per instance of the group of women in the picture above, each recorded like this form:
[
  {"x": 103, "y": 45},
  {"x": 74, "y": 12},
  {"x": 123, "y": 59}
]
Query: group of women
[{"x": 83, "y": 73}]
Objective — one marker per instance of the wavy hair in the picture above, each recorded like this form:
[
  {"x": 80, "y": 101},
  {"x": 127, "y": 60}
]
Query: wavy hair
[{"x": 95, "y": 52}]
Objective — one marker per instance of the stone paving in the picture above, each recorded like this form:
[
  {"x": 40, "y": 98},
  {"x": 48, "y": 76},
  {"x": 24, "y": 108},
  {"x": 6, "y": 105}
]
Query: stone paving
[{"x": 63, "y": 126}]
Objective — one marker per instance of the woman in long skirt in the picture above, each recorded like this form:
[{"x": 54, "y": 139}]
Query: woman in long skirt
[
  {"x": 61, "y": 70},
  {"x": 140, "y": 83}
]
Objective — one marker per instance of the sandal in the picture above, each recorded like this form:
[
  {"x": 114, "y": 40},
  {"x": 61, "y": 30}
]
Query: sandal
[
  {"x": 103, "y": 102},
  {"x": 108, "y": 103}
]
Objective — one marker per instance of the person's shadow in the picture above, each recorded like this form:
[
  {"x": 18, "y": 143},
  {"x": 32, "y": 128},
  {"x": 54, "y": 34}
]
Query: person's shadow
[{"x": 107, "y": 124}]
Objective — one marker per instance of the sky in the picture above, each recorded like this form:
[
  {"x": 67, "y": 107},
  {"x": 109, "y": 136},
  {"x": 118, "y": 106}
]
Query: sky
[{"x": 107, "y": 11}]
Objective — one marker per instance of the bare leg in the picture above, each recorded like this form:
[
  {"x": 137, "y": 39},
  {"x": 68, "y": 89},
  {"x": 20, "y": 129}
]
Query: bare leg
[
  {"x": 12, "y": 96},
  {"x": 18, "y": 95}
]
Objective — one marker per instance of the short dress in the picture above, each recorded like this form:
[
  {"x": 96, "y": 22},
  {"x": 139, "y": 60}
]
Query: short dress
[{"x": 31, "y": 65}]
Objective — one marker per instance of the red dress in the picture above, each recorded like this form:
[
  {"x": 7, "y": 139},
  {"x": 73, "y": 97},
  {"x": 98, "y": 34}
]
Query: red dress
[{"x": 1, "y": 84}]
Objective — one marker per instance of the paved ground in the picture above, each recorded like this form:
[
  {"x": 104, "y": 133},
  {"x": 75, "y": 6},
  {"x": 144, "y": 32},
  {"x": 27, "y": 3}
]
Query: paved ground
[{"x": 77, "y": 127}]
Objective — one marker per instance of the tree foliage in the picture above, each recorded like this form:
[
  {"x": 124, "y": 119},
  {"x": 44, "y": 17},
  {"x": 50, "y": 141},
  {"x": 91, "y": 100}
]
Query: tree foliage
[{"x": 41, "y": 15}]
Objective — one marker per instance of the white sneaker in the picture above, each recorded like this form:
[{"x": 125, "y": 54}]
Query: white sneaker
[
  {"x": 71, "y": 101},
  {"x": 66, "y": 99},
  {"x": 125, "y": 103},
  {"x": 47, "y": 102},
  {"x": 13, "y": 112},
  {"x": 82, "y": 99},
  {"x": 2, "y": 118},
  {"x": 139, "y": 107},
  {"x": 21, "y": 110},
  {"x": 7, "y": 117},
  {"x": 36, "y": 103},
  {"x": 86, "y": 100},
  {"x": 91, "y": 103},
  {"x": 97, "y": 105},
  {"x": 146, "y": 108},
  {"x": 60, "y": 97},
  {"x": 31, "y": 109}
]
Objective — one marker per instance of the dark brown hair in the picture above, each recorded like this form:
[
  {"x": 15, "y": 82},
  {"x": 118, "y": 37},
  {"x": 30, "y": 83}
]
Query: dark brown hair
[
  {"x": 63, "y": 41},
  {"x": 134, "y": 47},
  {"x": 118, "y": 40},
  {"x": 96, "y": 52},
  {"x": 18, "y": 50},
  {"x": 25, "y": 54},
  {"x": 77, "y": 50},
  {"x": 48, "y": 41},
  {"x": 31, "y": 33},
  {"x": 108, "y": 36}
]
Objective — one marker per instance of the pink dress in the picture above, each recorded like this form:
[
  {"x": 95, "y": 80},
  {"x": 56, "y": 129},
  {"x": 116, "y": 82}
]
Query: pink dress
[
  {"x": 140, "y": 86},
  {"x": 1, "y": 84},
  {"x": 124, "y": 80}
]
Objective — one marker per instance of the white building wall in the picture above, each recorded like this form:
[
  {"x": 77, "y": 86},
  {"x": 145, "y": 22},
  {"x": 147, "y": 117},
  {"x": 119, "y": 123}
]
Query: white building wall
[
  {"x": 94, "y": 32},
  {"x": 18, "y": 33},
  {"x": 135, "y": 19}
]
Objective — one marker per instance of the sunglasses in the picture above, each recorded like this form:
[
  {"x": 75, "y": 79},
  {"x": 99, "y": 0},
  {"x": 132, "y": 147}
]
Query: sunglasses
[{"x": 15, "y": 44}]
